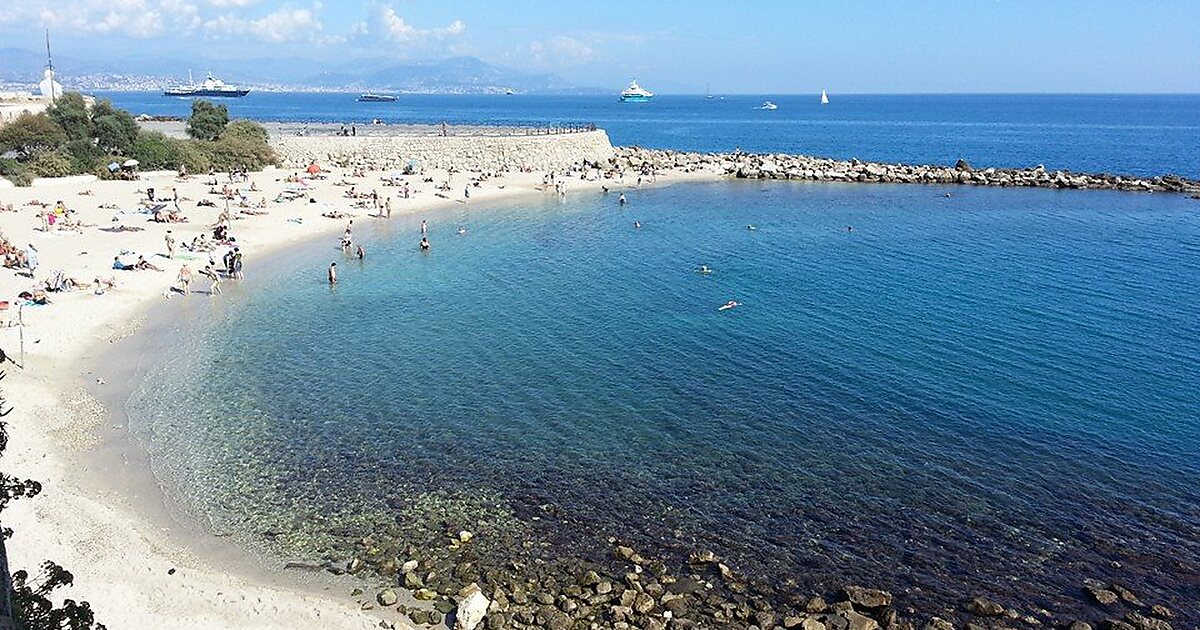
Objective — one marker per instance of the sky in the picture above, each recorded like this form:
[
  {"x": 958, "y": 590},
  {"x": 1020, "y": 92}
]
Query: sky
[{"x": 752, "y": 46}]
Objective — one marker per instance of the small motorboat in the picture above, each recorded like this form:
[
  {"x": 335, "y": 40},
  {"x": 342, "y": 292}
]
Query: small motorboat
[{"x": 728, "y": 305}]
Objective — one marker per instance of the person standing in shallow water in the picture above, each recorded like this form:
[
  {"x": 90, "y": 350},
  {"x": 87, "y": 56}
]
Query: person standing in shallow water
[
  {"x": 332, "y": 273},
  {"x": 424, "y": 228},
  {"x": 424, "y": 244}
]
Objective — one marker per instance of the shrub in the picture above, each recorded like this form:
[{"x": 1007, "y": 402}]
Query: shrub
[
  {"x": 155, "y": 151},
  {"x": 31, "y": 133},
  {"x": 85, "y": 155},
  {"x": 51, "y": 164},
  {"x": 247, "y": 130},
  {"x": 15, "y": 172},
  {"x": 235, "y": 152},
  {"x": 192, "y": 155},
  {"x": 207, "y": 120}
]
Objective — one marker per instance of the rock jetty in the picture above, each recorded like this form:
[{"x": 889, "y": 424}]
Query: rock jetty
[{"x": 779, "y": 166}]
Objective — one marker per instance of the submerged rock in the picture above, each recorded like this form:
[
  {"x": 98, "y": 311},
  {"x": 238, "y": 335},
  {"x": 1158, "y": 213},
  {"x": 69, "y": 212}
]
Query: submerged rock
[{"x": 984, "y": 607}]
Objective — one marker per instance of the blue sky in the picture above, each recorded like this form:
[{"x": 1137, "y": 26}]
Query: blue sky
[{"x": 765, "y": 46}]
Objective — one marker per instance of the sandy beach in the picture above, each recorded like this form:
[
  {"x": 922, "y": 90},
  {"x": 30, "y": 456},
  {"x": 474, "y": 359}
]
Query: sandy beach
[{"x": 136, "y": 570}]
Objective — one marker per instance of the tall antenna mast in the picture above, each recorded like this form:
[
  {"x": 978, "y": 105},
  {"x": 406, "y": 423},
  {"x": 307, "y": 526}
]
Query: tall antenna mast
[{"x": 50, "y": 66}]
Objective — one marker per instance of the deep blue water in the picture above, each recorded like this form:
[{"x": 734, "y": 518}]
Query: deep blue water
[
  {"x": 1128, "y": 134},
  {"x": 994, "y": 392}
]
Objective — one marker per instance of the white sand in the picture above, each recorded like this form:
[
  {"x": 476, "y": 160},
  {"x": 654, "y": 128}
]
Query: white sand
[{"x": 120, "y": 558}]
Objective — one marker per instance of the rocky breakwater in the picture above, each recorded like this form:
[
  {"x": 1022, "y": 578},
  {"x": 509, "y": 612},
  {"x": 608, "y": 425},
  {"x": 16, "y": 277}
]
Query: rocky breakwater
[
  {"x": 816, "y": 169},
  {"x": 474, "y": 153}
]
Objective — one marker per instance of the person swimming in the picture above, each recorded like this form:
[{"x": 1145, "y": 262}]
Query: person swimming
[
  {"x": 424, "y": 244},
  {"x": 461, "y": 230},
  {"x": 704, "y": 269},
  {"x": 728, "y": 305},
  {"x": 621, "y": 200},
  {"x": 751, "y": 227},
  {"x": 637, "y": 225}
]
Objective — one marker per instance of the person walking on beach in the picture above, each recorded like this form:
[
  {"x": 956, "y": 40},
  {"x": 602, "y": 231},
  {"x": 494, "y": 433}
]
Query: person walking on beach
[
  {"x": 332, "y": 273},
  {"x": 31, "y": 258},
  {"x": 175, "y": 197},
  {"x": 185, "y": 280},
  {"x": 170, "y": 245},
  {"x": 387, "y": 208}
]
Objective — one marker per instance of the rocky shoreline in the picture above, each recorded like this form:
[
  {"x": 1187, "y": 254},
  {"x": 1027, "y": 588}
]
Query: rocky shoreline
[
  {"x": 633, "y": 591},
  {"x": 816, "y": 169}
]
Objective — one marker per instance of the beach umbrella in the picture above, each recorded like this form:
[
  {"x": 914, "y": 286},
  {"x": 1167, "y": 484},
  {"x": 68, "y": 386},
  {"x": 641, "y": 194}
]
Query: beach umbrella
[
  {"x": 130, "y": 163},
  {"x": 313, "y": 169}
]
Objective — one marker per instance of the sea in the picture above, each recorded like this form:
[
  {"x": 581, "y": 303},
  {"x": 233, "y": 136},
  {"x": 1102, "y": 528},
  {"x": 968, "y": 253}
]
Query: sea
[
  {"x": 1122, "y": 134},
  {"x": 940, "y": 391}
]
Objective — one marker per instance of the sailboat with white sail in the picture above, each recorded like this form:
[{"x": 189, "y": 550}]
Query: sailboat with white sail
[{"x": 824, "y": 97}]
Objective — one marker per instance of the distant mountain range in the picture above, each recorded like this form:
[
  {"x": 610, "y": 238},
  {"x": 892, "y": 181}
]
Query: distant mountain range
[{"x": 455, "y": 75}]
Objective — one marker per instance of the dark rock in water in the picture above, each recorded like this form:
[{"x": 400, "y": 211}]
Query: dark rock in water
[
  {"x": 1125, "y": 594},
  {"x": 962, "y": 165},
  {"x": 1162, "y": 612},
  {"x": 1142, "y": 622},
  {"x": 868, "y": 597},
  {"x": 1101, "y": 595},
  {"x": 984, "y": 607},
  {"x": 1115, "y": 624},
  {"x": 591, "y": 578},
  {"x": 1079, "y": 625}
]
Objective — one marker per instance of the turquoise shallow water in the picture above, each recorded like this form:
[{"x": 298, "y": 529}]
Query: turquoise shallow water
[{"x": 992, "y": 392}]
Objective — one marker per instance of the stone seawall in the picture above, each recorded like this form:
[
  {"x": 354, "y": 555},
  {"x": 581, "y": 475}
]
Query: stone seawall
[{"x": 465, "y": 153}]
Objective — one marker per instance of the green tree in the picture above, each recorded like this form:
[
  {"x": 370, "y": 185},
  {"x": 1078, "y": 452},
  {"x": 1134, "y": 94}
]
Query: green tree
[
  {"x": 70, "y": 113},
  {"x": 31, "y": 133},
  {"x": 207, "y": 120},
  {"x": 115, "y": 132}
]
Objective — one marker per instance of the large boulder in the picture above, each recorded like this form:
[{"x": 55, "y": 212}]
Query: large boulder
[
  {"x": 472, "y": 608},
  {"x": 868, "y": 597}
]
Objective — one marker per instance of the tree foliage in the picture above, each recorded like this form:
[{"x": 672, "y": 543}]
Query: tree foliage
[
  {"x": 207, "y": 120},
  {"x": 115, "y": 130},
  {"x": 70, "y": 113},
  {"x": 30, "y": 134}
]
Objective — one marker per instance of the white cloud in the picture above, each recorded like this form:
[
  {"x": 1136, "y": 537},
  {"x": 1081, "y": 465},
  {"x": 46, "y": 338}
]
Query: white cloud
[
  {"x": 285, "y": 24},
  {"x": 231, "y": 3},
  {"x": 386, "y": 25},
  {"x": 131, "y": 18},
  {"x": 561, "y": 51}
]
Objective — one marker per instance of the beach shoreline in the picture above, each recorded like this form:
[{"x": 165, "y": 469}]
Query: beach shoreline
[{"x": 134, "y": 561}]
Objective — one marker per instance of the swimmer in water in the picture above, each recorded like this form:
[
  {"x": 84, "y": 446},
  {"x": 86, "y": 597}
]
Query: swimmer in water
[
  {"x": 704, "y": 270},
  {"x": 849, "y": 228},
  {"x": 462, "y": 230},
  {"x": 621, "y": 200},
  {"x": 637, "y": 224},
  {"x": 424, "y": 244},
  {"x": 728, "y": 305},
  {"x": 360, "y": 253},
  {"x": 751, "y": 227}
]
